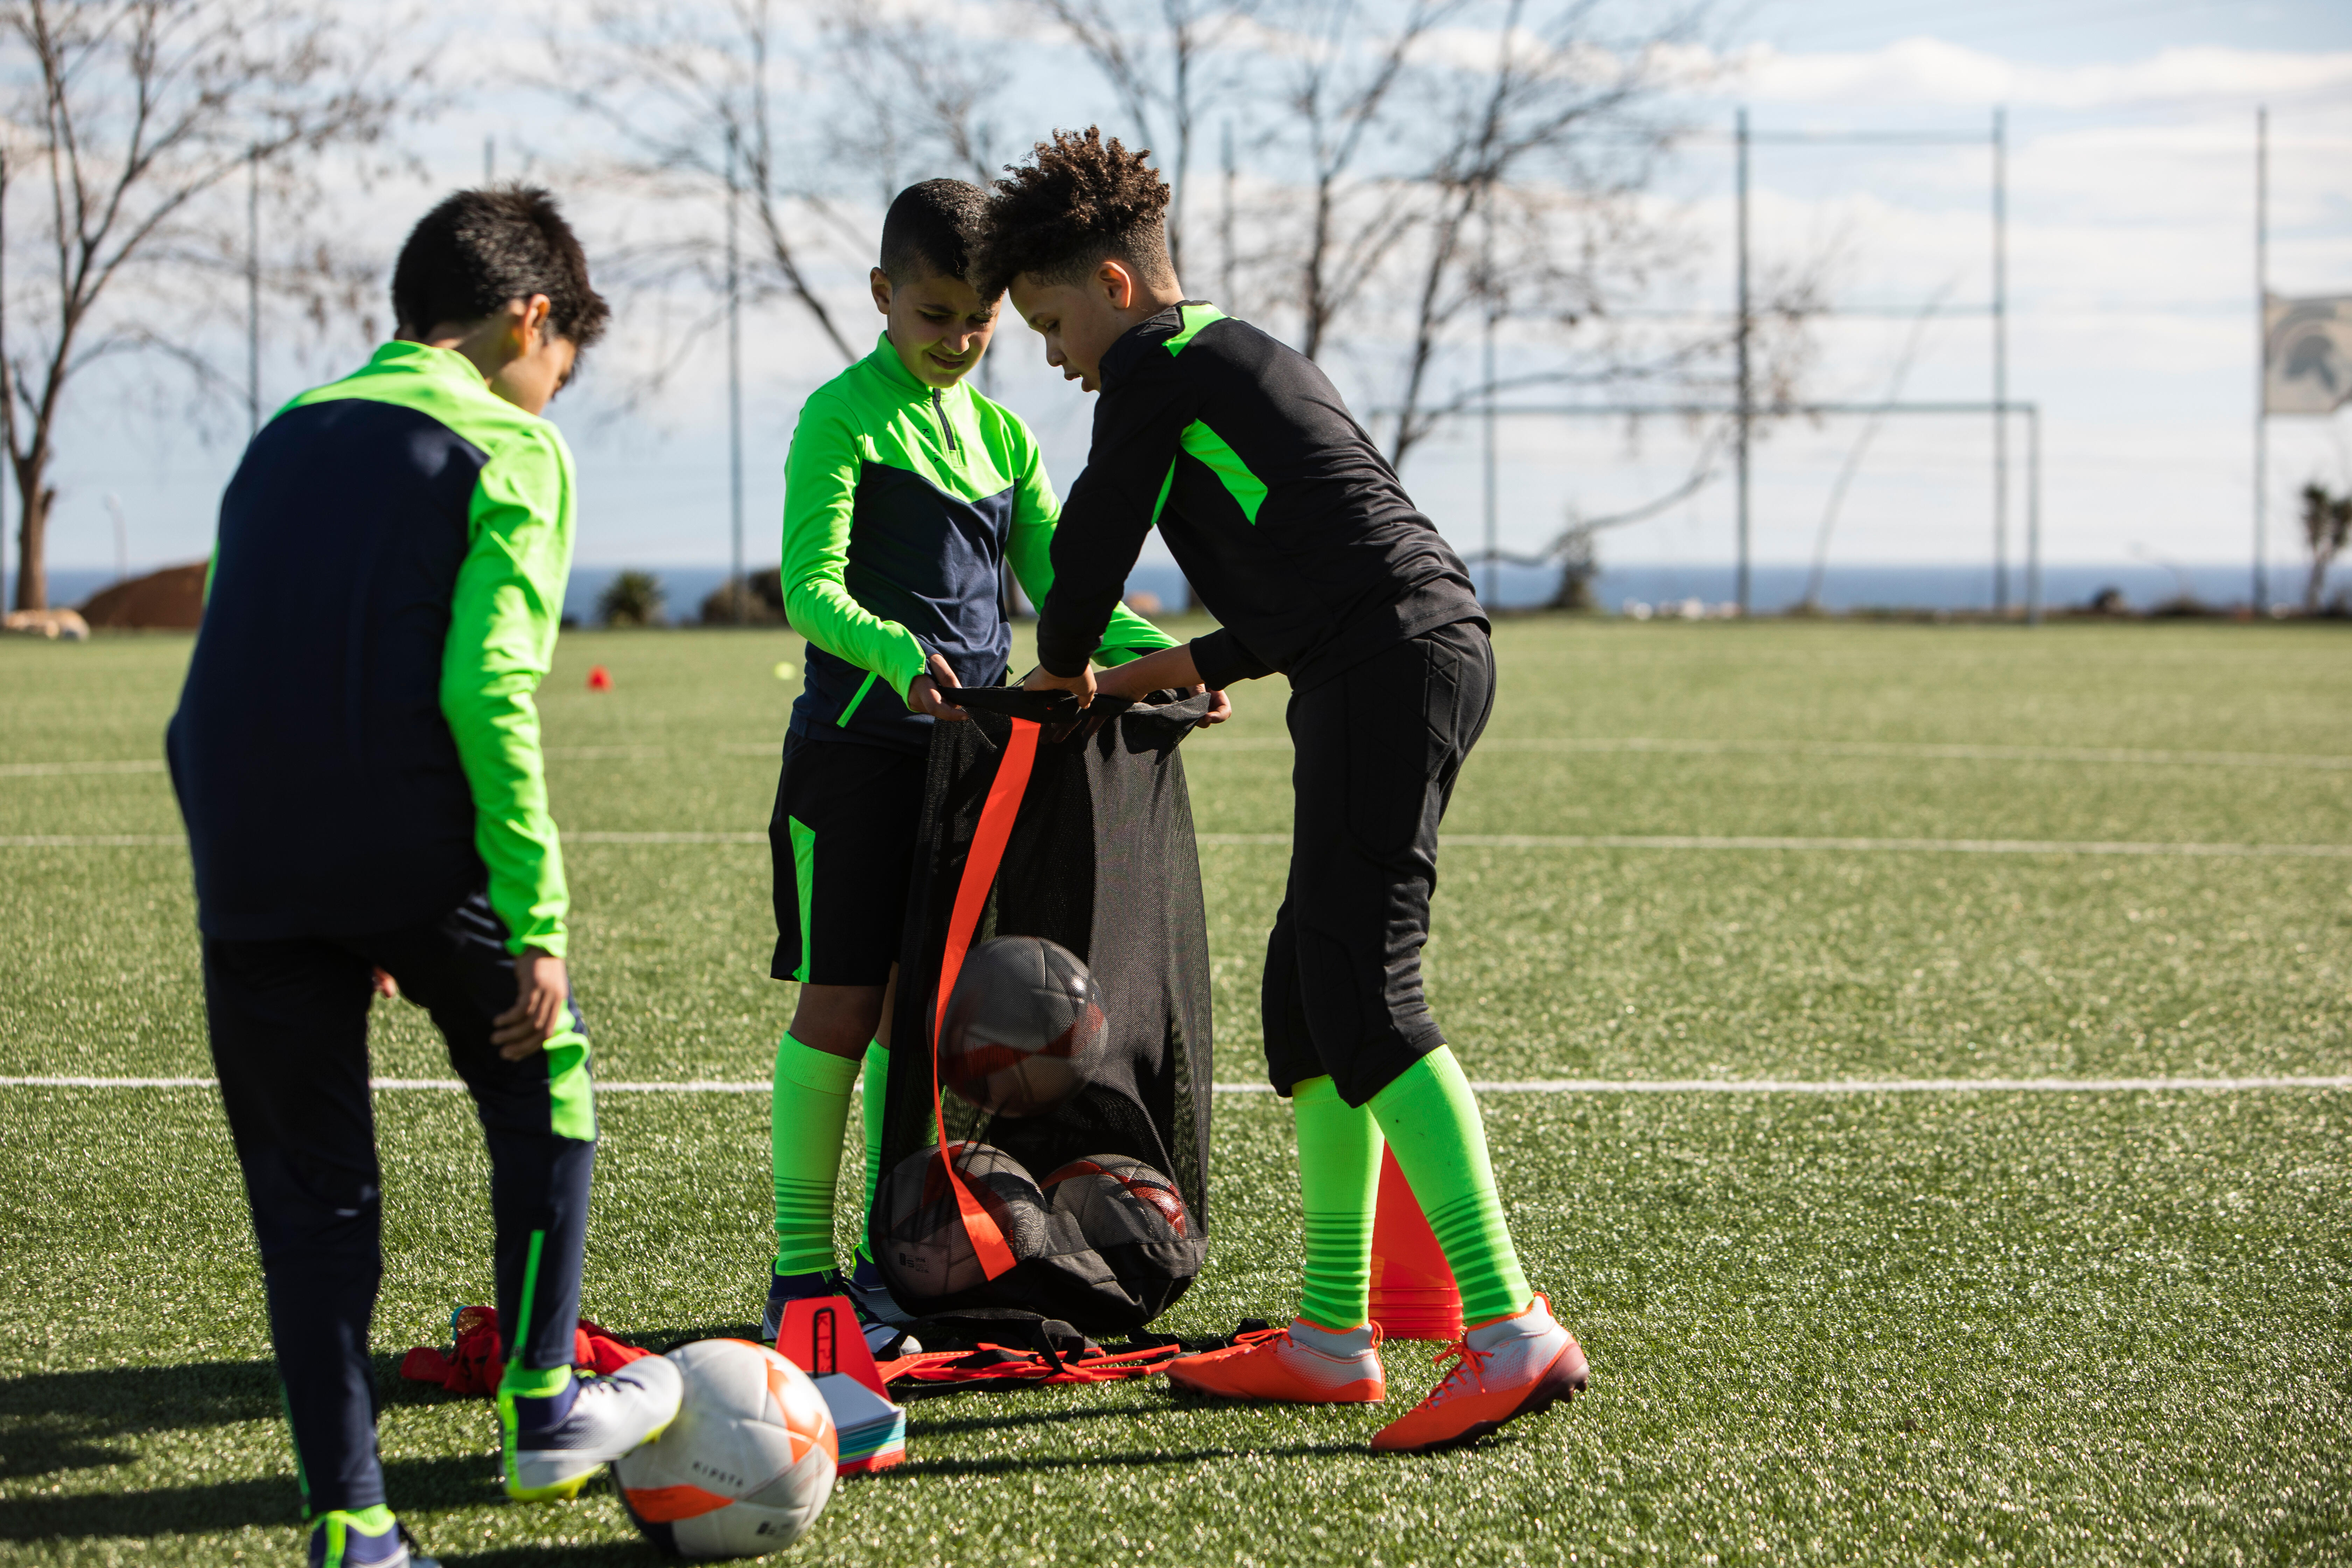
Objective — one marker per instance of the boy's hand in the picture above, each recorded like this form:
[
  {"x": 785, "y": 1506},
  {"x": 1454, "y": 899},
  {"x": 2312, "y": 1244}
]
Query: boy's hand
[
  {"x": 1219, "y": 710},
  {"x": 923, "y": 692},
  {"x": 1043, "y": 680},
  {"x": 542, "y": 990}
]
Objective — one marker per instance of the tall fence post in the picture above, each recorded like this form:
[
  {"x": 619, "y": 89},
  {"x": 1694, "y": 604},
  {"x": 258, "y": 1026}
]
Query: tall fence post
[
  {"x": 2033, "y": 514},
  {"x": 1747, "y": 413}
]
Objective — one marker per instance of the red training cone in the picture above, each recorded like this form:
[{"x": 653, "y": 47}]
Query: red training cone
[
  {"x": 822, "y": 1337},
  {"x": 1414, "y": 1295},
  {"x": 600, "y": 680}
]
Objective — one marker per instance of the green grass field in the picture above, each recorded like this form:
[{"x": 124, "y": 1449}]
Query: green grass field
[{"x": 2107, "y": 1325}]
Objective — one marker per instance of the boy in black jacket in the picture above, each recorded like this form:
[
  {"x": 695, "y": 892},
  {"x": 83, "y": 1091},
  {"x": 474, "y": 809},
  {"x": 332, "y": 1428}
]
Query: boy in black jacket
[{"x": 1297, "y": 535}]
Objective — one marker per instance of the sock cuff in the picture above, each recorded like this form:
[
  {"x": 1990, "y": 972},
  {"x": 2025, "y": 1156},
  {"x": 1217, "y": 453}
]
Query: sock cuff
[
  {"x": 815, "y": 1069},
  {"x": 1437, "y": 1073},
  {"x": 1315, "y": 1093},
  {"x": 372, "y": 1520},
  {"x": 532, "y": 1383}
]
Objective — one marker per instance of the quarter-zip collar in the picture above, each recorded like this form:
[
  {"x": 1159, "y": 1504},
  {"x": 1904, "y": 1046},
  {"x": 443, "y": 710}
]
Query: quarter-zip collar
[{"x": 892, "y": 369}]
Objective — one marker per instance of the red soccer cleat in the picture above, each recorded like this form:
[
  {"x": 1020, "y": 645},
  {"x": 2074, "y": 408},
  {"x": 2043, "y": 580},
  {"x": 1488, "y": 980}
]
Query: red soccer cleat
[
  {"x": 1273, "y": 1364},
  {"x": 1502, "y": 1370}
]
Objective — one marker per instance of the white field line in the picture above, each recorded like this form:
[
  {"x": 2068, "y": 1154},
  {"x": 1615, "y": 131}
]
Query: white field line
[
  {"x": 1504, "y": 1085},
  {"x": 1901, "y": 751},
  {"x": 1895, "y": 846},
  {"x": 1892, "y": 750},
  {"x": 89, "y": 841},
  {"x": 1665, "y": 841},
  {"x": 53, "y": 770}
]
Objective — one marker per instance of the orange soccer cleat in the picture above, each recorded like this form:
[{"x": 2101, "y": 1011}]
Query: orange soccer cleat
[
  {"x": 1512, "y": 1367},
  {"x": 1278, "y": 1363}
]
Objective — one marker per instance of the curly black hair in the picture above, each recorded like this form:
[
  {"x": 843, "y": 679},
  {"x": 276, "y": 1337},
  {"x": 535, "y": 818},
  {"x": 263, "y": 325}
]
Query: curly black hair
[
  {"x": 480, "y": 248},
  {"x": 1079, "y": 201}
]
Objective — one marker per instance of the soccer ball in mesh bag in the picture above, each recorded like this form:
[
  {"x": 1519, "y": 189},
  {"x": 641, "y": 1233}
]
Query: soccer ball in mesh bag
[
  {"x": 748, "y": 1464},
  {"x": 1136, "y": 1221},
  {"x": 1023, "y": 1027},
  {"x": 924, "y": 1253}
]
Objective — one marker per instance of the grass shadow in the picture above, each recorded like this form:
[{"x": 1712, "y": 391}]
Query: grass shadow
[
  {"x": 613, "y": 1552},
  {"x": 920, "y": 1426},
  {"x": 454, "y": 1481},
  {"x": 56, "y": 1421},
  {"x": 1014, "y": 1465}
]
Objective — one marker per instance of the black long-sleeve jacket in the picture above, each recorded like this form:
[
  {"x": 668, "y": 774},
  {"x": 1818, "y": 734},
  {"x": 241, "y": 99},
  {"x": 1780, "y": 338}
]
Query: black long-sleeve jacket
[{"x": 1290, "y": 525}]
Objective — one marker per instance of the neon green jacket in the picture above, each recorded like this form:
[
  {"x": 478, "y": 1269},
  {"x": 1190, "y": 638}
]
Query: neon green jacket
[
  {"x": 902, "y": 503},
  {"x": 357, "y": 747}
]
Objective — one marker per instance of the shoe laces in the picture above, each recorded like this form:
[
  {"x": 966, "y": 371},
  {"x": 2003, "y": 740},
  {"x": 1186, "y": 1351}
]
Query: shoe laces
[{"x": 1469, "y": 1365}]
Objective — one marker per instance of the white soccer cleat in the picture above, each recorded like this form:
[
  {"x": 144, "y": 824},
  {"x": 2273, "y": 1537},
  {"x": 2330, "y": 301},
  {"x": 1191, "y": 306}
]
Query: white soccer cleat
[{"x": 610, "y": 1416}]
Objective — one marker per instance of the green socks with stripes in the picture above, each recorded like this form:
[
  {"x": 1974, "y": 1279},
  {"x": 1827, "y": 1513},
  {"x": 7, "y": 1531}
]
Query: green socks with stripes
[
  {"x": 1432, "y": 1124},
  {"x": 805, "y": 1121},
  {"x": 1338, "y": 1176},
  {"x": 877, "y": 1095}
]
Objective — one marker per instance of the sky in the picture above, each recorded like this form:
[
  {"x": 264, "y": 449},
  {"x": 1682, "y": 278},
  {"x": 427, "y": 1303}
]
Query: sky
[{"x": 2130, "y": 312}]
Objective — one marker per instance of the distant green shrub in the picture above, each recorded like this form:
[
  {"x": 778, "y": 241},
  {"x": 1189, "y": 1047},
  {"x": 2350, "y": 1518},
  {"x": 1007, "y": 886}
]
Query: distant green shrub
[{"x": 631, "y": 599}]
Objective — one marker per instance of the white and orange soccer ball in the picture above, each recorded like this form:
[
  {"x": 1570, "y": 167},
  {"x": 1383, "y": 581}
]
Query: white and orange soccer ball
[{"x": 747, "y": 1466}]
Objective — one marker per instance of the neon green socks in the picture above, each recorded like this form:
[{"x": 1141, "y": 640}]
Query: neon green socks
[
  {"x": 805, "y": 1121},
  {"x": 877, "y": 1095},
  {"x": 1338, "y": 1179},
  {"x": 340, "y": 1526},
  {"x": 1440, "y": 1140}
]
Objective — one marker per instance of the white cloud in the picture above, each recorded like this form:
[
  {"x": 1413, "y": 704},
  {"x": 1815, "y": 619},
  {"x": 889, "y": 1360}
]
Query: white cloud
[{"x": 1917, "y": 71}]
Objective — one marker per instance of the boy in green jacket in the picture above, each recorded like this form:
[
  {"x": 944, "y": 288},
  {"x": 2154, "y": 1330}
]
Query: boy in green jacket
[
  {"x": 356, "y": 754},
  {"x": 906, "y": 493}
]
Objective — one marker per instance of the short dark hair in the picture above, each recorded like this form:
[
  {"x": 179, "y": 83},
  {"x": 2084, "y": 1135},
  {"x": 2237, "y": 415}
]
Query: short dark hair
[
  {"x": 480, "y": 248},
  {"x": 930, "y": 230},
  {"x": 1078, "y": 202}
]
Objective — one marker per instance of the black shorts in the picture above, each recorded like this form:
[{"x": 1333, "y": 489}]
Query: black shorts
[
  {"x": 843, "y": 843},
  {"x": 1379, "y": 747}
]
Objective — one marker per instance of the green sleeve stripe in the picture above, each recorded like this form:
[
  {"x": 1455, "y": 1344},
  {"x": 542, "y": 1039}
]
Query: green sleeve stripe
[
  {"x": 805, "y": 873},
  {"x": 1161, "y": 504},
  {"x": 1195, "y": 317},
  {"x": 1247, "y": 490},
  {"x": 864, "y": 687}
]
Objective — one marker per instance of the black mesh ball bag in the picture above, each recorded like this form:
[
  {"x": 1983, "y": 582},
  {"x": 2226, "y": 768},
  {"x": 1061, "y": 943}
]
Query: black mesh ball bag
[{"x": 1077, "y": 833}]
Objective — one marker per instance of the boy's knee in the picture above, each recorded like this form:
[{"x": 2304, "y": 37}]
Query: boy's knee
[
  {"x": 302, "y": 1204},
  {"x": 839, "y": 1020}
]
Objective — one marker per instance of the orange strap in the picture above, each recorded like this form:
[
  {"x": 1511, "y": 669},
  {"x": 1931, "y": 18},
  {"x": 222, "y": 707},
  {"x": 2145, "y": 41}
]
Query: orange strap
[{"x": 987, "y": 852}]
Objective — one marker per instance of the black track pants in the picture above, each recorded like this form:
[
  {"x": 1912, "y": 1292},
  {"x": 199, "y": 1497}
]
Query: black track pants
[
  {"x": 1378, "y": 748},
  {"x": 288, "y": 1023}
]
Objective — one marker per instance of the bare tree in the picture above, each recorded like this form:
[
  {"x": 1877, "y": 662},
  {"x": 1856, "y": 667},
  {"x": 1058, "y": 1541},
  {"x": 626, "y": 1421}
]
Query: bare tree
[
  {"x": 928, "y": 98},
  {"x": 1347, "y": 77},
  {"x": 686, "y": 88},
  {"x": 132, "y": 115},
  {"x": 1165, "y": 63},
  {"x": 1524, "y": 205}
]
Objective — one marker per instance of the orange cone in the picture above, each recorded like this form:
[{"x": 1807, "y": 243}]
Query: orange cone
[
  {"x": 600, "y": 680},
  {"x": 1414, "y": 1295}
]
